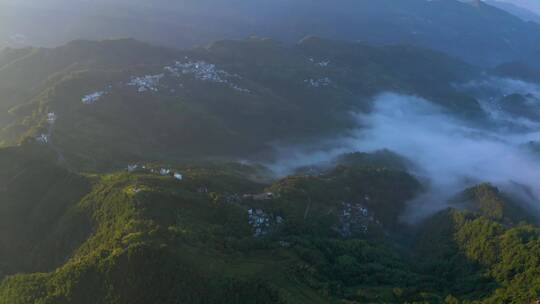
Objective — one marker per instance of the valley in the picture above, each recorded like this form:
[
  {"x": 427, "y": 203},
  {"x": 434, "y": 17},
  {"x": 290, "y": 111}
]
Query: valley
[{"x": 280, "y": 152}]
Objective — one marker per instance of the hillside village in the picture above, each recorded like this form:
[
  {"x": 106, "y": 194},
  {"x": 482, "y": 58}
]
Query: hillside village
[
  {"x": 146, "y": 83},
  {"x": 44, "y": 138},
  {"x": 353, "y": 218},
  {"x": 135, "y": 168},
  {"x": 93, "y": 97},
  {"x": 269, "y": 152},
  {"x": 199, "y": 70},
  {"x": 261, "y": 222},
  {"x": 323, "y": 63},
  {"x": 318, "y": 83}
]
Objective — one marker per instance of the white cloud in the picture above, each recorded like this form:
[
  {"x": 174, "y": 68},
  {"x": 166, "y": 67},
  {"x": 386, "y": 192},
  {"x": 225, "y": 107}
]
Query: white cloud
[{"x": 447, "y": 153}]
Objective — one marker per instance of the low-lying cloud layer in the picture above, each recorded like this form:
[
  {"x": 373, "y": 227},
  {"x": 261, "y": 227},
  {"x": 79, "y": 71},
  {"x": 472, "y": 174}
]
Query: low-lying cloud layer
[{"x": 447, "y": 153}]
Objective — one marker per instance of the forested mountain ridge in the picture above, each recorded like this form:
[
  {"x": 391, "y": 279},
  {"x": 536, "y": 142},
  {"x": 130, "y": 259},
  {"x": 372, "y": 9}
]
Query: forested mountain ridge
[
  {"x": 220, "y": 235},
  {"x": 349, "y": 151},
  {"x": 244, "y": 93},
  {"x": 141, "y": 174}
]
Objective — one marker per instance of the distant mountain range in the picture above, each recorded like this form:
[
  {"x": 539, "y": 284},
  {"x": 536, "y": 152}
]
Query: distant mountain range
[
  {"x": 223, "y": 235},
  {"x": 459, "y": 29},
  {"x": 232, "y": 99}
]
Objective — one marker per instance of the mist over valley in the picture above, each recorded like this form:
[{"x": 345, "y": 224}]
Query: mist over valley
[{"x": 269, "y": 152}]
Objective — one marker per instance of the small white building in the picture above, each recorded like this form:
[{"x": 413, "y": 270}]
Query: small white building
[
  {"x": 324, "y": 63},
  {"x": 164, "y": 172},
  {"x": 92, "y": 98},
  {"x": 318, "y": 83},
  {"x": 178, "y": 176},
  {"x": 43, "y": 139},
  {"x": 51, "y": 117},
  {"x": 364, "y": 211},
  {"x": 146, "y": 83}
]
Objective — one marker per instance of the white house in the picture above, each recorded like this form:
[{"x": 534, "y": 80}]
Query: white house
[
  {"x": 51, "y": 117},
  {"x": 92, "y": 98},
  {"x": 164, "y": 172},
  {"x": 43, "y": 139},
  {"x": 146, "y": 83}
]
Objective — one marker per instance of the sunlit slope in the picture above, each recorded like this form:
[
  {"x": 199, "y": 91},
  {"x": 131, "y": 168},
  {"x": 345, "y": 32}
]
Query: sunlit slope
[
  {"x": 150, "y": 238},
  {"x": 219, "y": 236},
  {"x": 26, "y": 72},
  {"x": 479, "y": 259}
]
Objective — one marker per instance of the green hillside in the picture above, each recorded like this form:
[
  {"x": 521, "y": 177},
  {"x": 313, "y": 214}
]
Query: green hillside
[
  {"x": 120, "y": 181},
  {"x": 225, "y": 234},
  {"x": 142, "y": 237},
  {"x": 229, "y": 99}
]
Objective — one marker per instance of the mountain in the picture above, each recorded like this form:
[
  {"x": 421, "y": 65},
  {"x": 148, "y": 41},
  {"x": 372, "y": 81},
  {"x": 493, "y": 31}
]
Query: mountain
[
  {"x": 25, "y": 72},
  {"x": 490, "y": 202},
  {"x": 200, "y": 239},
  {"x": 396, "y": 162},
  {"x": 516, "y": 10},
  {"x": 31, "y": 238},
  {"x": 480, "y": 257},
  {"x": 223, "y": 233},
  {"x": 454, "y": 27},
  {"x": 120, "y": 178},
  {"x": 230, "y": 99}
]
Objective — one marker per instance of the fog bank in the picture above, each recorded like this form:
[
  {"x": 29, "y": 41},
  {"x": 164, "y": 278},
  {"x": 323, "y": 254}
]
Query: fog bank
[{"x": 446, "y": 153}]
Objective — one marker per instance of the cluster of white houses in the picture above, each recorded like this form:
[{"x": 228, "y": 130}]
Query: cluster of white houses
[
  {"x": 262, "y": 223},
  {"x": 261, "y": 196},
  {"x": 355, "y": 218},
  {"x": 44, "y": 138},
  {"x": 323, "y": 63},
  {"x": 200, "y": 70},
  {"x": 318, "y": 83},
  {"x": 146, "y": 83},
  {"x": 204, "y": 71},
  {"x": 51, "y": 117},
  {"x": 93, "y": 97},
  {"x": 161, "y": 171}
]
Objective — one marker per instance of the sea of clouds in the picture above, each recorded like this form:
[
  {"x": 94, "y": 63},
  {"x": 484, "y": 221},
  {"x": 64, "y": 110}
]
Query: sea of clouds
[{"x": 446, "y": 152}]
